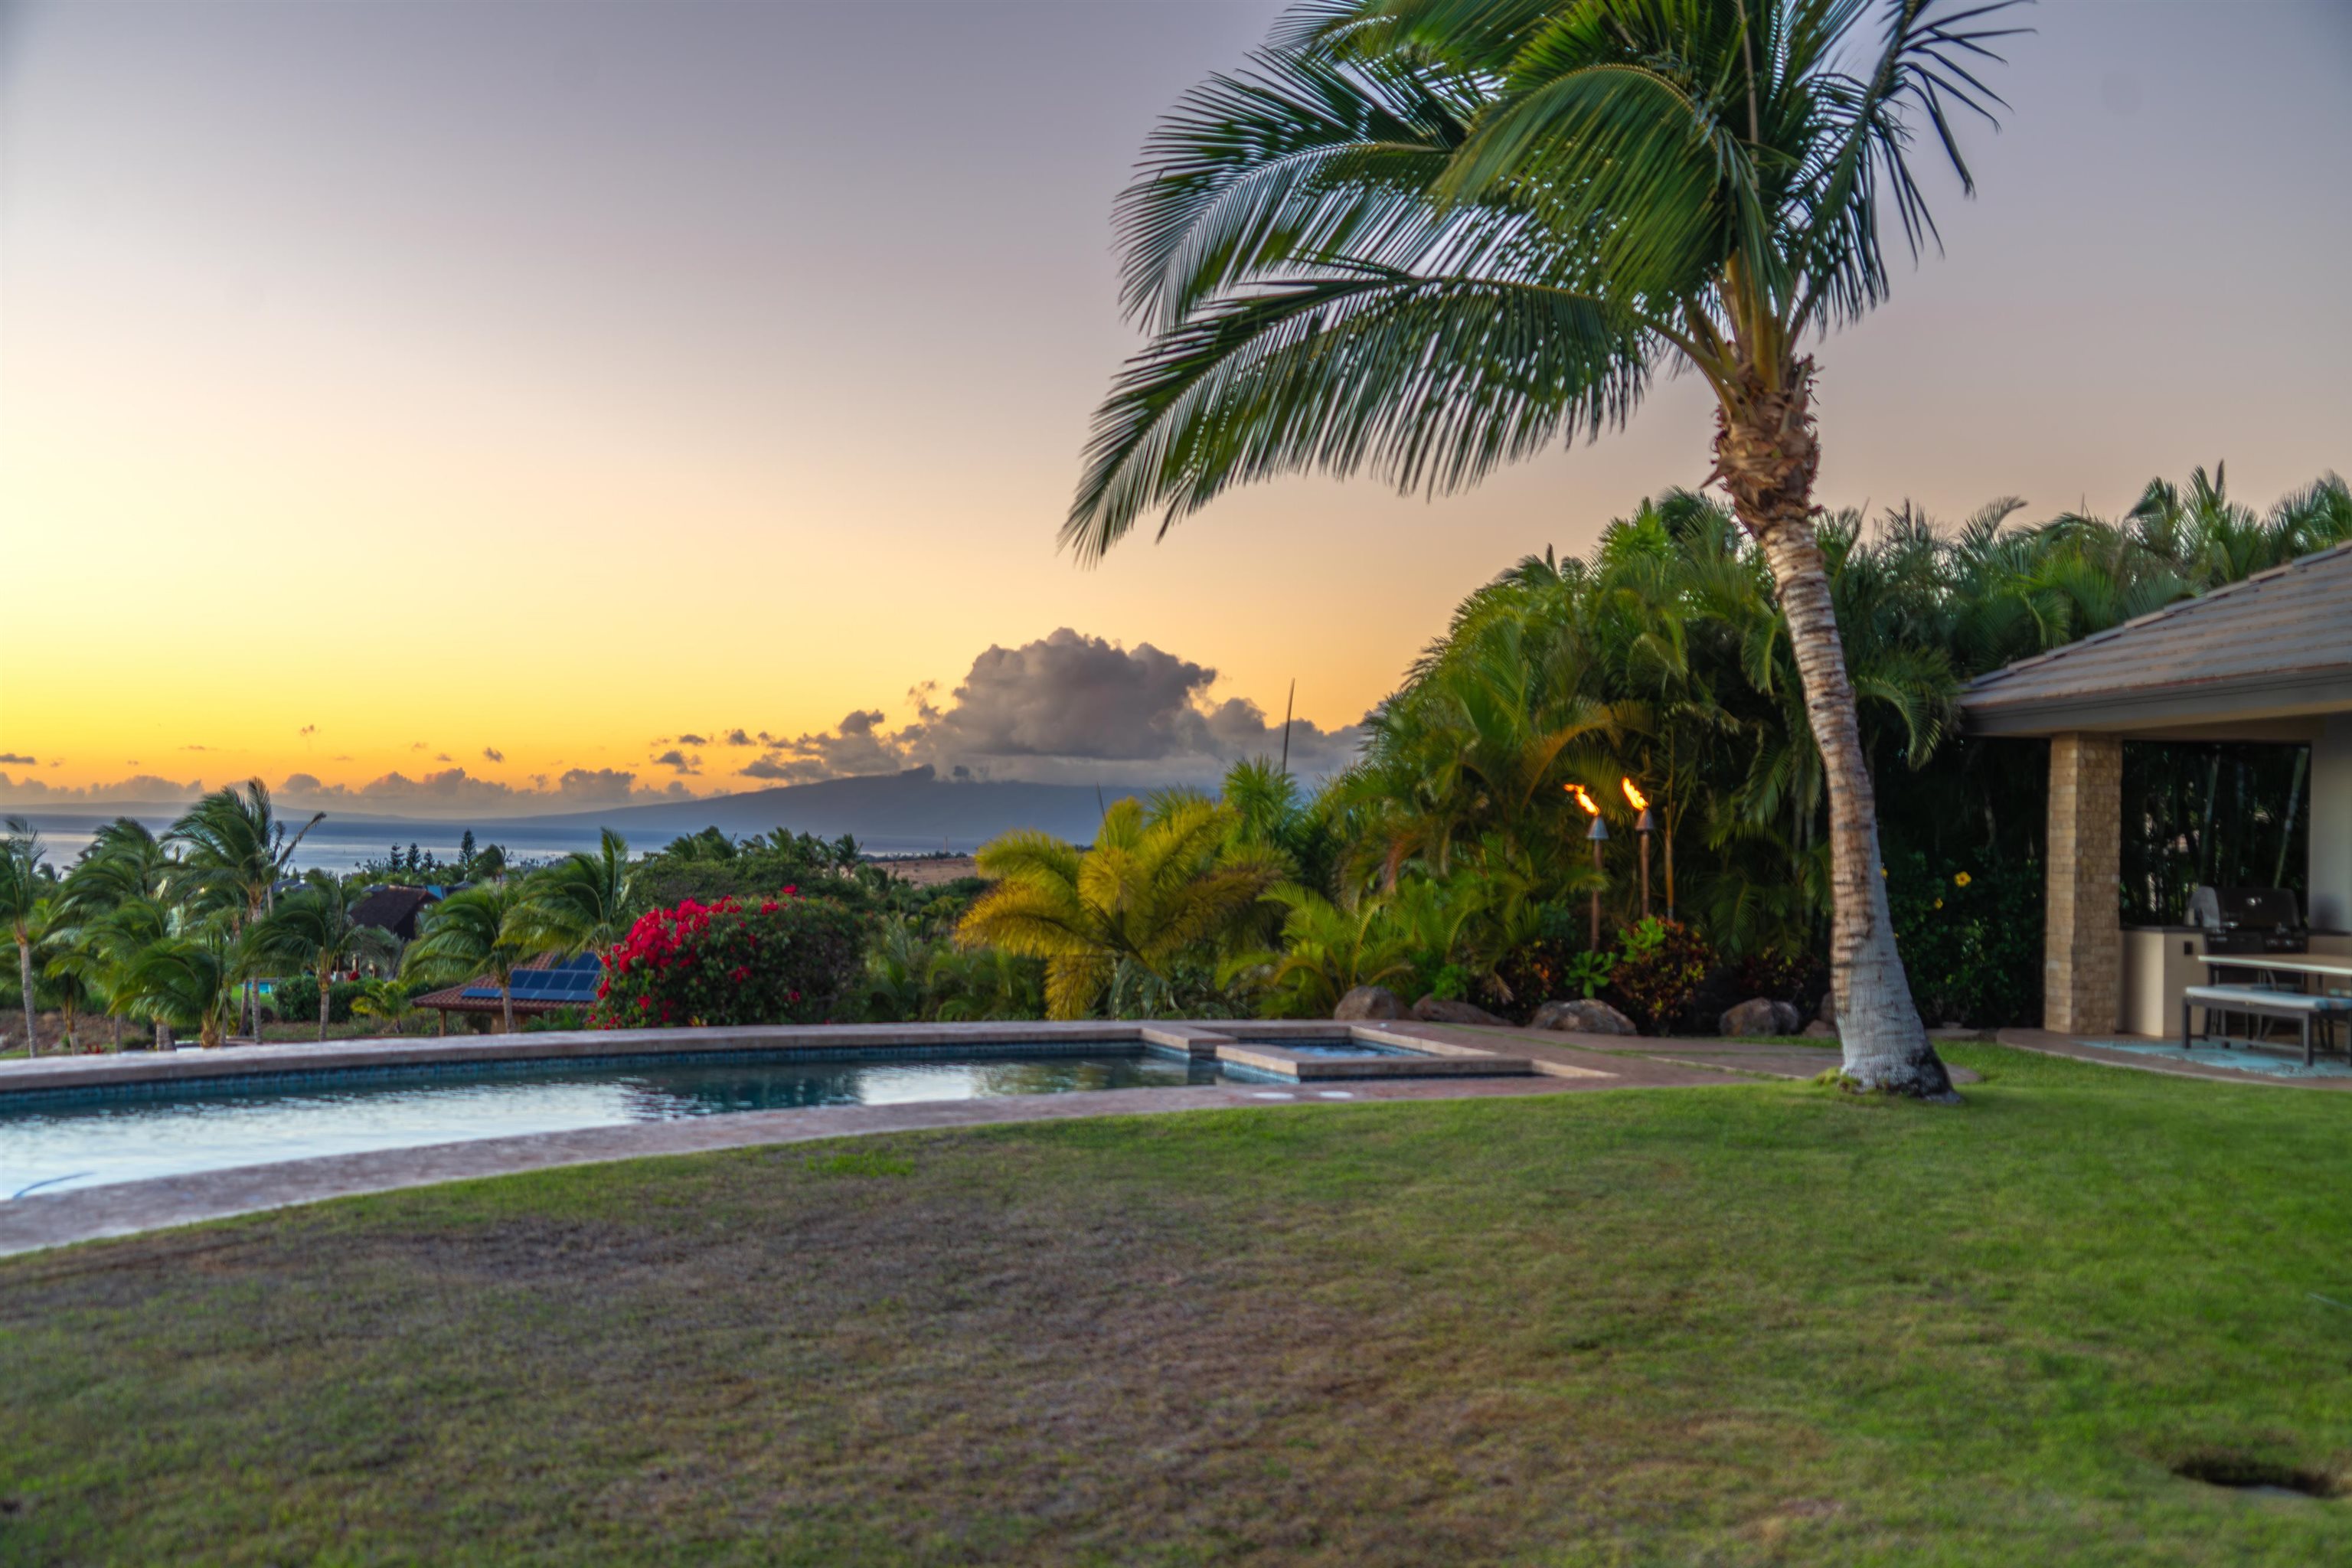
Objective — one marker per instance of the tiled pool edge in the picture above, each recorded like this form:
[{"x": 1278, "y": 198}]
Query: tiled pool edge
[{"x": 311, "y": 1061}]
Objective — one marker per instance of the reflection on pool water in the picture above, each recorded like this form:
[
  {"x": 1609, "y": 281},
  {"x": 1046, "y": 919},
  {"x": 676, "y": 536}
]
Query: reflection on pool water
[{"x": 58, "y": 1146}]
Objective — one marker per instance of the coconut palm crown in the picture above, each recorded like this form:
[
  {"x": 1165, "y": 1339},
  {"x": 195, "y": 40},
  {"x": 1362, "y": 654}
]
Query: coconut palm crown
[{"x": 1424, "y": 237}]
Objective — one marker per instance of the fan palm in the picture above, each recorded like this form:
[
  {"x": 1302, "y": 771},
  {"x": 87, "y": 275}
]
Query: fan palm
[
  {"x": 1423, "y": 238},
  {"x": 314, "y": 930},
  {"x": 1152, "y": 885},
  {"x": 475, "y": 934}
]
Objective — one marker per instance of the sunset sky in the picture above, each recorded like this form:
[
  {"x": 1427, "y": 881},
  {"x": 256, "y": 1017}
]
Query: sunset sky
[{"x": 540, "y": 390}]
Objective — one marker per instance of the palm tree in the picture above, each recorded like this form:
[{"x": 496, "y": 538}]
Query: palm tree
[
  {"x": 387, "y": 999},
  {"x": 475, "y": 935},
  {"x": 1425, "y": 238},
  {"x": 580, "y": 904},
  {"x": 191, "y": 982},
  {"x": 1152, "y": 885},
  {"x": 1329, "y": 951},
  {"x": 237, "y": 851},
  {"x": 26, "y": 882},
  {"x": 314, "y": 930}
]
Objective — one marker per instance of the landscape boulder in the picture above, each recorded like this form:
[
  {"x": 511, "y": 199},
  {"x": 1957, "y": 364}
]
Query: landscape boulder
[
  {"x": 1582, "y": 1018},
  {"x": 1440, "y": 1010},
  {"x": 1817, "y": 1030},
  {"x": 1368, "y": 1002},
  {"x": 1828, "y": 1013},
  {"x": 1759, "y": 1015}
]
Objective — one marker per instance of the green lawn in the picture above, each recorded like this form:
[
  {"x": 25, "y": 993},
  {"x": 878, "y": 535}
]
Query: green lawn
[{"x": 1761, "y": 1323}]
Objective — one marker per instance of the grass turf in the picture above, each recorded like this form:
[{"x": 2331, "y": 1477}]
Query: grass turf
[{"x": 1761, "y": 1323}]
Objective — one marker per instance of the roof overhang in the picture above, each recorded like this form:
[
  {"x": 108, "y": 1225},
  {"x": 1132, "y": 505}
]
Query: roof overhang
[{"x": 2260, "y": 707}]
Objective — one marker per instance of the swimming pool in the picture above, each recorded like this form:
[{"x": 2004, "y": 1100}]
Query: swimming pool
[{"x": 57, "y": 1143}]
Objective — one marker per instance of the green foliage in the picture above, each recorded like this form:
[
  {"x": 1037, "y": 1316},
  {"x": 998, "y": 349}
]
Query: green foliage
[
  {"x": 1158, "y": 882},
  {"x": 1971, "y": 932},
  {"x": 1661, "y": 964},
  {"x": 295, "y": 999},
  {"x": 708, "y": 865}
]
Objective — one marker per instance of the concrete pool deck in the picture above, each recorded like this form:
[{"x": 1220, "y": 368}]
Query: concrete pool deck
[{"x": 1554, "y": 1063}]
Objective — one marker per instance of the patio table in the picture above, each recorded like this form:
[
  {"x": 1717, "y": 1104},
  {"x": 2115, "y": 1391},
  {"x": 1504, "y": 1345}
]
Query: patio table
[{"x": 2339, "y": 973}]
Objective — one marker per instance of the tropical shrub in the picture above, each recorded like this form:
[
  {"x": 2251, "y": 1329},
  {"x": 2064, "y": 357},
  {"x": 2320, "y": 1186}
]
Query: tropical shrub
[
  {"x": 1661, "y": 967},
  {"x": 786, "y": 960},
  {"x": 1971, "y": 932},
  {"x": 295, "y": 999}
]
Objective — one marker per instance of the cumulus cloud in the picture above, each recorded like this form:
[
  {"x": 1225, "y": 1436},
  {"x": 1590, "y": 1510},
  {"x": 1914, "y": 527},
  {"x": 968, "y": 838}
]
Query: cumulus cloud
[
  {"x": 12, "y": 759},
  {"x": 678, "y": 761},
  {"x": 693, "y": 740},
  {"x": 736, "y": 738},
  {"x": 491, "y": 753},
  {"x": 141, "y": 787},
  {"x": 1066, "y": 707},
  {"x": 454, "y": 789}
]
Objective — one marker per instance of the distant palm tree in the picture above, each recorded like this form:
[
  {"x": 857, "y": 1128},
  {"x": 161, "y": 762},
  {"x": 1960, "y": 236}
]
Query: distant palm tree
[
  {"x": 474, "y": 934},
  {"x": 25, "y": 883},
  {"x": 1151, "y": 886},
  {"x": 387, "y": 999},
  {"x": 237, "y": 852},
  {"x": 314, "y": 930},
  {"x": 189, "y": 981},
  {"x": 1425, "y": 238},
  {"x": 580, "y": 904}
]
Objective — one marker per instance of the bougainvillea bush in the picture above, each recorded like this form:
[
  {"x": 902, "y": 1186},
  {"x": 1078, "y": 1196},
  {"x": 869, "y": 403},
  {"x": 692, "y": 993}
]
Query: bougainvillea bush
[{"x": 786, "y": 960}]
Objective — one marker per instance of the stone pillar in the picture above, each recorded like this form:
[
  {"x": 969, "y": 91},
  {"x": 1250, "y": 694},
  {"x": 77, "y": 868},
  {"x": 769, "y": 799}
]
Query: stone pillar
[
  {"x": 2082, "y": 942},
  {"x": 2329, "y": 904}
]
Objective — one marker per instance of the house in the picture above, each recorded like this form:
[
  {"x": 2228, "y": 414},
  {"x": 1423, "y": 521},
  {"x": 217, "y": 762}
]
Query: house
[
  {"x": 2265, "y": 659},
  {"x": 394, "y": 909}
]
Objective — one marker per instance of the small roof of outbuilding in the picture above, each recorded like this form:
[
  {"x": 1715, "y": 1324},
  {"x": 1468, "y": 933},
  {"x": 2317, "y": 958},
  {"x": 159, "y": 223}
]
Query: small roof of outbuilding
[{"x": 2260, "y": 659}]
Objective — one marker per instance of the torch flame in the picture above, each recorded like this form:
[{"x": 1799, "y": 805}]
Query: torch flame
[
  {"x": 1584, "y": 800},
  {"x": 1640, "y": 801}
]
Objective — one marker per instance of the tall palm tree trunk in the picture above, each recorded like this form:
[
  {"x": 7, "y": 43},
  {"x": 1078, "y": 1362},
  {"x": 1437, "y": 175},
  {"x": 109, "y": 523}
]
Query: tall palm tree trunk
[
  {"x": 505, "y": 1001},
  {"x": 326, "y": 982},
  {"x": 25, "y": 975},
  {"x": 1767, "y": 455}
]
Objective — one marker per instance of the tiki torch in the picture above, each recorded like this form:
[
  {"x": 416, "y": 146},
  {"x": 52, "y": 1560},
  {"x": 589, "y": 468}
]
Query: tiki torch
[
  {"x": 1598, "y": 835},
  {"x": 1644, "y": 826}
]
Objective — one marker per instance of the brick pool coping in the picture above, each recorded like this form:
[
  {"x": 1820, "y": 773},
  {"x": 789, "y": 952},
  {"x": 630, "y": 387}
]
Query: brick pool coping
[
  {"x": 1543, "y": 1062},
  {"x": 43, "y": 1220}
]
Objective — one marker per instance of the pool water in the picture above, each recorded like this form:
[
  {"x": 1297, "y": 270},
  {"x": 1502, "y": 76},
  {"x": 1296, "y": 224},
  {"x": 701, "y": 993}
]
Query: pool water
[
  {"x": 63, "y": 1145},
  {"x": 1344, "y": 1049}
]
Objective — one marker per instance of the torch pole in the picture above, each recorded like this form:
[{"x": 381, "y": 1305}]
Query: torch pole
[
  {"x": 1644, "y": 828},
  {"x": 1599, "y": 834}
]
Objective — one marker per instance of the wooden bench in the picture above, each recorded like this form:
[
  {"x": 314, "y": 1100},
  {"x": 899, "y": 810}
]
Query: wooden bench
[{"x": 2306, "y": 1013}]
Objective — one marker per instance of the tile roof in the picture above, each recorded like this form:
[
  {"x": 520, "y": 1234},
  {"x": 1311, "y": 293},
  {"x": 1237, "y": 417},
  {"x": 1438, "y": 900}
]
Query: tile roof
[{"x": 2281, "y": 638}]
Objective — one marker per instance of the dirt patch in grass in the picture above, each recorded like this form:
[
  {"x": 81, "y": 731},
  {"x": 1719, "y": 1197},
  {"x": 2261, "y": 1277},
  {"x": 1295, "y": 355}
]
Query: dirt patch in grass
[{"x": 1738, "y": 1325}]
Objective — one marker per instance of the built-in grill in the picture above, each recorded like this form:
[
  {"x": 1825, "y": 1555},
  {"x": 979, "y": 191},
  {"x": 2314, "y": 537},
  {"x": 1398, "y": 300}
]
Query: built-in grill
[{"x": 2249, "y": 920}]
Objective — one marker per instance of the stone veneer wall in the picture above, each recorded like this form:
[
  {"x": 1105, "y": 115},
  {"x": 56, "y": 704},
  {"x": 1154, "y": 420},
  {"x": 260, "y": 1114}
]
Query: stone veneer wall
[{"x": 2082, "y": 941}]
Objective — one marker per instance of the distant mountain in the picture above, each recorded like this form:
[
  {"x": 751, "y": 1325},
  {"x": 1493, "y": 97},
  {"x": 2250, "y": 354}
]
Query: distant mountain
[{"x": 886, "y": 812}]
